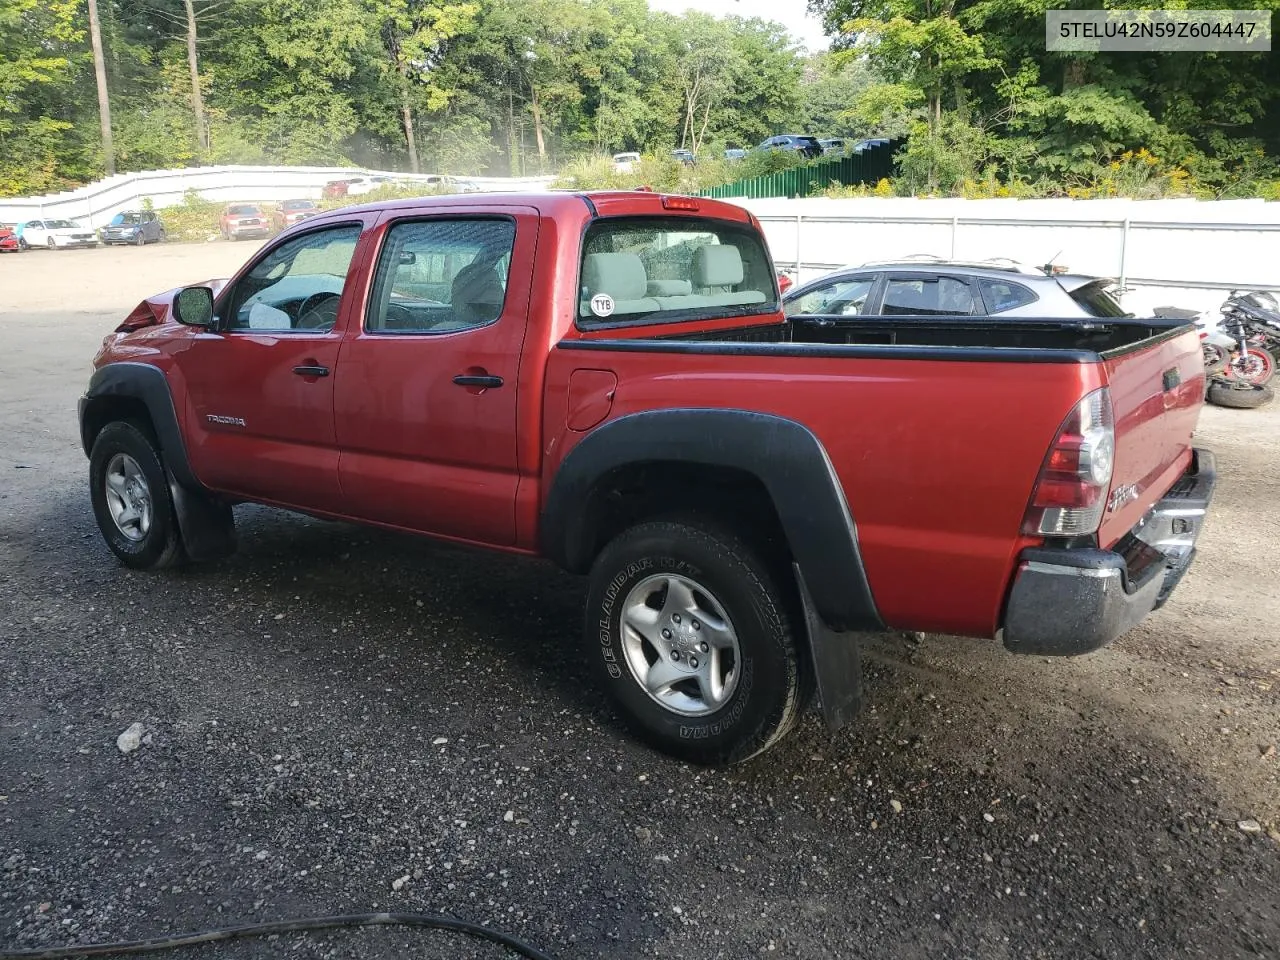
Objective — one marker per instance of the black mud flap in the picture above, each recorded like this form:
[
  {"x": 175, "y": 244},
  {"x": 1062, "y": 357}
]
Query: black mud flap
[
  {"x": 207, "y": 527},
  {"x": 837, "y": 664}
]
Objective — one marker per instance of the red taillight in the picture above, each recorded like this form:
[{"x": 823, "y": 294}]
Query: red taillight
[
  {"x": 680, "y": 203},
  {"x": 1070, "y": 493}
]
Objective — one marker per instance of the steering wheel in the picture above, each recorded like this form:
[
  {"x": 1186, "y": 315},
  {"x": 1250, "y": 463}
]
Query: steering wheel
[
  {"x": 319, "y": 311},
  {"x": 400, "y": 315}
]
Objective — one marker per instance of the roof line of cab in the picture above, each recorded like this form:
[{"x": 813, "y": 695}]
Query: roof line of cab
[{"x": 599, "y": 203}]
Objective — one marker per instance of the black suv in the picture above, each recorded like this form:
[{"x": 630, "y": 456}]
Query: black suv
[{"x": 809, "y": 146}]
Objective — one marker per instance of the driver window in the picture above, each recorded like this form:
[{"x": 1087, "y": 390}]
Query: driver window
[
  {"x": 441, "y": 276},
  {"x": 297, "y": 286},
  {"x": 842, "y": 298}
]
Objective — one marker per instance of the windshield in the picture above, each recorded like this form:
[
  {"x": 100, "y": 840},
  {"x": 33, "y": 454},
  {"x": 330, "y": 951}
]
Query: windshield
[
  {"x": 1095, "y": 300},
  {"x": 298, "y": 205},
  {"x": 120, "y": 218},
  {"x": 242, "y": 210},
  {"x": 60, "y": 224},
  {"x": 658, "y": 269}
]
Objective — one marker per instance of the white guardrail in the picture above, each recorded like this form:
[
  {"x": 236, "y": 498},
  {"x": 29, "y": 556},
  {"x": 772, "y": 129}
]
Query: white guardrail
[
  {"x": 1161, "y": 252},
  {"x": 1177, "y": 252},
  {"x": 94, "y": 205}
]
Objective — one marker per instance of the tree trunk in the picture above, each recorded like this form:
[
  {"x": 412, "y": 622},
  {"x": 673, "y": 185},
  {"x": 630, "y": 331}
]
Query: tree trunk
[
  {"x": 410, "y": 138},
  {"x": 513, "y": 148},
  {"x": 702, "y": 133},
  {"x": 537, "y": 128},
  {"x": 406, "y": 115},
  {"x": 100, "y": 74},
  {"x": 197, "y": 98}
]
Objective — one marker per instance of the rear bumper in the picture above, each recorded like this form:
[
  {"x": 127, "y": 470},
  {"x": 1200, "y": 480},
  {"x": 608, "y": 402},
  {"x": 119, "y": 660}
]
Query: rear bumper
[{"x": 1071, "y": 601}]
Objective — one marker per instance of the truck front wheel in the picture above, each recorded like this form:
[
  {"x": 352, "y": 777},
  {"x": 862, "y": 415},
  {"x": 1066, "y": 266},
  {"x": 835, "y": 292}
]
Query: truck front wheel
[
  {"x": 690, "y": 634},
  {"x": 131, "y": 500}
]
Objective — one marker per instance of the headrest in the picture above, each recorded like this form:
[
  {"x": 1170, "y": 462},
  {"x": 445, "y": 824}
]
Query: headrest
[
  {"x": 717, "y": 265},
  {"x": 670, "y": 288},
  {"x": 620, "y": 275}
]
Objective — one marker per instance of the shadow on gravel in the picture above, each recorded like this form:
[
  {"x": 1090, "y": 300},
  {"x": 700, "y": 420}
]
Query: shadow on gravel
[{"x": 360, "y": 706}]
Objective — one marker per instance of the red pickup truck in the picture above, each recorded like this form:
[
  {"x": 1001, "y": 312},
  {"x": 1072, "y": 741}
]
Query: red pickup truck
[{"x": 607, "y": 380}]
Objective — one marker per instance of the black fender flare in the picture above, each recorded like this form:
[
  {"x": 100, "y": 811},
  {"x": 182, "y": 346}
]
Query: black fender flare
[
  {"x": 147, "y": 384},
  {"x": 206, "y": 524},
  {"x": 782, "y": 454}
]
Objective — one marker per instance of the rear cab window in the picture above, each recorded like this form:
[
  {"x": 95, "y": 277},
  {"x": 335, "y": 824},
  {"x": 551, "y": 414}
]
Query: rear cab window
[{"x": 644, "y": 270}]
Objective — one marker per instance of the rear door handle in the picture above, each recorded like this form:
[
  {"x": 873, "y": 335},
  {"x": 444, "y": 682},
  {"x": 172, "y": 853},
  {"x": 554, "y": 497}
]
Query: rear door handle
[
  {"x": 311, "y": 371},
  {"x": 477, "y": 380}
]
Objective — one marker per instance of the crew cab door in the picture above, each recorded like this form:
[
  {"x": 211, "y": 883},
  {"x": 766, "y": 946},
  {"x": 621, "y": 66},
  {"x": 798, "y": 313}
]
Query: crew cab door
[
  {"x": 259, "y": 385},
  {"x": 425, "y": 409}
]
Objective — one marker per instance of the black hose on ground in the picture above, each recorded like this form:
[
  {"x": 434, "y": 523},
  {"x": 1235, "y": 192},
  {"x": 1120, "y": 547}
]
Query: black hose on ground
[{"x": 423, "y": 920}]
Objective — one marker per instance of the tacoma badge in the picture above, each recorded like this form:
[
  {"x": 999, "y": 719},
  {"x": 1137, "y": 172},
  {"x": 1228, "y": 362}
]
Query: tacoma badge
[{"x": 1122, "y": 495}]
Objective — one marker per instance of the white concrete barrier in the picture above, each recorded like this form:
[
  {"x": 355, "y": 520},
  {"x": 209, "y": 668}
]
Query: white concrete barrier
[
  {"x": 1176, "y": 252},
  {"x": 94, "y": 205}
]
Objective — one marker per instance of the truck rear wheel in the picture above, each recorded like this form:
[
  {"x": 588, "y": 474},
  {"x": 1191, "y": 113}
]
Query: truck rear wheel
[
  {"x": 131, "y": 501},
  {"x": 689, "y": 632}
]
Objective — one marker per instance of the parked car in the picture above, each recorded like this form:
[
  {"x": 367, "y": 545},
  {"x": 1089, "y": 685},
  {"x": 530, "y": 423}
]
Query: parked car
[
  {"x": 607, "y": 380},
  {"x": 735, "y": 153},
  {"x": 334, "y": 189},
  {"x": 289, "y": 212},
  {"x": 864, "y": 145},
  {"x": 240, "y": 220},
  {"x": 354, "y": 186},
  {"x": 684, "y": 156},
  {"x": 10, "y": 242},
  {"x": 56, "y": 234},
  {"x": 832, "y": 146},
  {"x": 937, "y": 287},
  {"x": 625, "y": 162},
  {"x": 809, "y": 146},
  {"x": 134, "y": 226}
]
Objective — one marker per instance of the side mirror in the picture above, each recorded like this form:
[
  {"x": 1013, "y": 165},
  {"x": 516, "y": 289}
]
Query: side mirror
[{"x": 193, "y": 306}]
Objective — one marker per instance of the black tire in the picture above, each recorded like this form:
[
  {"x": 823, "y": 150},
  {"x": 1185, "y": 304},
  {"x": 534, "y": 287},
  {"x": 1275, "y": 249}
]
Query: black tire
[
  {"x": 141, "y": 239},
  {"x": 51, "y": 244},
  {"x": 161, "y": 545},
  {"x": 768, "y": 696},
  {"x": 1241, "y": 396}
]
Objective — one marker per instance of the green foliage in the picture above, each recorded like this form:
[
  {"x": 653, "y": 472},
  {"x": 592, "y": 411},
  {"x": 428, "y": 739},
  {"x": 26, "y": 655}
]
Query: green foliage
[
  {"x": 539, "y": 86},
  {"x": 195, "y": 218},
  {"x": 1003, "y": 117}
]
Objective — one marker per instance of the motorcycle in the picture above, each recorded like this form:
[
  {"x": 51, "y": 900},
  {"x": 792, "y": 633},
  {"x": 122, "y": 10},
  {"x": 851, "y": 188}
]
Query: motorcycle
[
  {"x": 1259, "y": 312},
  {"x": 1233, "y": 365}
]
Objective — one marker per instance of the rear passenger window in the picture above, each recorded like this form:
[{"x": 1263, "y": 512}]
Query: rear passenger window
[
  {"x": 441, "y": 276},
  {"x": 657, "y": 269},
  {"x": 928, "y": 296},
  {"x": 1003, "y": 295}
]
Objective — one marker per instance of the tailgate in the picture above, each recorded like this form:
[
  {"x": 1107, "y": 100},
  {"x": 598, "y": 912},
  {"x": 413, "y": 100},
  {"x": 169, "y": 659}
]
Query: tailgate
[{"x": 1157, "y": 389}]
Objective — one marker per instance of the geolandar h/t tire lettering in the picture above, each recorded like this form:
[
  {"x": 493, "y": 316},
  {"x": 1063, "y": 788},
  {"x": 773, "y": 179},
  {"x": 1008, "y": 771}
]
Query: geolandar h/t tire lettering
[
  {"x": 129, "y": 490},
  {"x": 689, "y": 633}
]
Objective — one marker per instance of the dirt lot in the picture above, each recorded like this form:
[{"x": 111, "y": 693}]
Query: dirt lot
[{"x": 344, "y": 720}]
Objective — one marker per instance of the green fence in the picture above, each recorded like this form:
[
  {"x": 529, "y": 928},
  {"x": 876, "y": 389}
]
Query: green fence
[{"x": 869, "y": 166}]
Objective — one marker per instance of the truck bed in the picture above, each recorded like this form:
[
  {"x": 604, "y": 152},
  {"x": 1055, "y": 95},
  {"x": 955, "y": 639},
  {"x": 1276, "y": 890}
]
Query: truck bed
[
  {"x": 967, "y": 338},
  {"x": 936, "y": 427}
]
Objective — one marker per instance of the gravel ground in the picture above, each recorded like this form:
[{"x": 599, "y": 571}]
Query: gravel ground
[{"x": 340, "y": 720}]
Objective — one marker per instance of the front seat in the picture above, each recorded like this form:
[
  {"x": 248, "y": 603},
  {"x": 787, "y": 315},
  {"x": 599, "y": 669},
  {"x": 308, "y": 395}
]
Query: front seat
[{"x": 477, "y": 294}]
